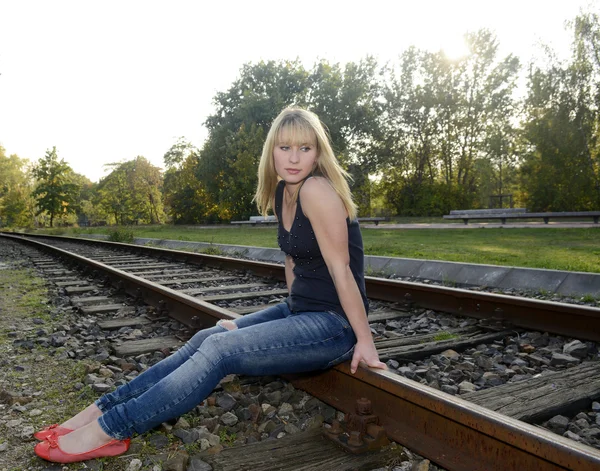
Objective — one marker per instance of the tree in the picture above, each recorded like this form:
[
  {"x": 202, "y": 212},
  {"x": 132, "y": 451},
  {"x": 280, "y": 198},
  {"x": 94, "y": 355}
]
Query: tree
[
  {"x": 438, "y": 122},
  {"x": 16, "y": 204},
  {"x": 55, "y": 191},
  {"x": 131, "y": 192},
  {"x": 346, "y": 99},
  {"x": 561, "y": 169},
  {"x": 252, "y": 102}
]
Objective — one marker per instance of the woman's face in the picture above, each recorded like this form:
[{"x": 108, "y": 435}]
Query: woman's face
[{"x": 294, "y": 157}]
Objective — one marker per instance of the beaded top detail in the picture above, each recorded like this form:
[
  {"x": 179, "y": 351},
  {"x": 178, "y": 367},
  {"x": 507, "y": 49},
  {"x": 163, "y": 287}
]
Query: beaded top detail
[{"x": 313, "y": 288}]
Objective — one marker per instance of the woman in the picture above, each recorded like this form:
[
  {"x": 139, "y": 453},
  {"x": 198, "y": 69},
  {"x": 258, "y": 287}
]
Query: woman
[{"x": 323, "y": 321}]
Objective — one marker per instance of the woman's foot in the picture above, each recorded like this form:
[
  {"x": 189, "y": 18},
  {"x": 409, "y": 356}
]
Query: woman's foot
[
  {"x": 85, "y": 443},
  {"x": 53, "y": 430},
  {"x": 86, "y": 416}
]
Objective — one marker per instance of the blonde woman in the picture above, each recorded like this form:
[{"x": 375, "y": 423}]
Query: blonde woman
[{"x": 322, "y": 323}]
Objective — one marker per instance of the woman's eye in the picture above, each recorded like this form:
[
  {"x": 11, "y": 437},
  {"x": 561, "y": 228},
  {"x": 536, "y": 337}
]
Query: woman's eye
[
  {"x": 305, "y": 149},
  {"x": 284, "y": 147}
]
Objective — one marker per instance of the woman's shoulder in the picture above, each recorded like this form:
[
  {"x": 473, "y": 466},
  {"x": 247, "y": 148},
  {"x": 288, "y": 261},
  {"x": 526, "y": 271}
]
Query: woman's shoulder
[
  {"x": 318, "y": 185},
  {"x": 318, "y": 193}
]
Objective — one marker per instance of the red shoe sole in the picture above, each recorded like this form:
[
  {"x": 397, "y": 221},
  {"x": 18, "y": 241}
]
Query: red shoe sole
[{"x": 50, "y": 451}]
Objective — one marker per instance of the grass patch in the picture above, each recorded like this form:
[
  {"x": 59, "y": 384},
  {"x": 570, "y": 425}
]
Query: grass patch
[
  {"x": 573, "y": 249},
  {"x": 121, "y": 235},
  {"x": 212, "y": 250},
  {"x": 444, "y": 336}
]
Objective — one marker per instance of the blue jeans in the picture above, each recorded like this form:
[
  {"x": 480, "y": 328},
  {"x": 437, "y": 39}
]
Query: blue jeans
[{"x": 268, "y": 342}]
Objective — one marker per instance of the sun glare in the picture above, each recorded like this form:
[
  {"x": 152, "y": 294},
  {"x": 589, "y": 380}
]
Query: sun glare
[{"x": 455, "y": 48}]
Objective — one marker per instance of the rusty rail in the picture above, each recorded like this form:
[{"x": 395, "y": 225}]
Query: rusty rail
[
  {"x": 560, "y": 318},
  {"x": 448, "y": 430}
]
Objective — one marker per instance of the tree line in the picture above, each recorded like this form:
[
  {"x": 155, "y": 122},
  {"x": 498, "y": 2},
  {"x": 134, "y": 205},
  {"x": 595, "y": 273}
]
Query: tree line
[{"x": 420, "y": 136}]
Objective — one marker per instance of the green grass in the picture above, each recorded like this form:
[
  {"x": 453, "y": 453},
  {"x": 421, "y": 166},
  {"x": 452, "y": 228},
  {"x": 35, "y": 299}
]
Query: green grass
[
  {"x": 575, "y": 249},
  {"x": 444, "y": 336}
]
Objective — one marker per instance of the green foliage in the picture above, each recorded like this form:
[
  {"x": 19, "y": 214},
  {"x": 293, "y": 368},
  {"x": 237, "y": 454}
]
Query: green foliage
[
  {"x": 121, "y": 235},
  {"x": 425, "y": 199},
  {"x": 131, "y": 193},
  {"x": 212, "y": 250},
  {"x": 345, "y": 98},
  {"x": 55, "y": 190},
  {"x": 227, "y": 437},
  {"x": 16, "y": 203},
  {"x": 561, "y": 170},
  {"x": 443, "y": 335},
  {"x": 441, "y": 118}
]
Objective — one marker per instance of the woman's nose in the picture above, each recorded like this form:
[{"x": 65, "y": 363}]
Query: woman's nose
[{"x": 295, "y": 155}]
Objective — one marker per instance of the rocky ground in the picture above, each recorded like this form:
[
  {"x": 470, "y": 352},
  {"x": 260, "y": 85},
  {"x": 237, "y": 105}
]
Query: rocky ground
[{"x": 54, "y": 361}]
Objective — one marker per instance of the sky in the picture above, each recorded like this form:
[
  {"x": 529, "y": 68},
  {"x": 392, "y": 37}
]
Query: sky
[{"x": 107, "y": 81}]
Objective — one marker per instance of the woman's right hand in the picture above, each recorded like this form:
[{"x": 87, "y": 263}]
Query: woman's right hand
[{"x": 365, "y": 352}]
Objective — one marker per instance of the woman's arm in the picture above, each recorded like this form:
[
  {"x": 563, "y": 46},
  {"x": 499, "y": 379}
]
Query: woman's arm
[{"x": 327, "y": 215}]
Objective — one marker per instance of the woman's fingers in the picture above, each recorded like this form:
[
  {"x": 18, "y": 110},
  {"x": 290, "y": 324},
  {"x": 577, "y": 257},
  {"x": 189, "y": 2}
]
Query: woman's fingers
[{"x": 371, "y": 363}]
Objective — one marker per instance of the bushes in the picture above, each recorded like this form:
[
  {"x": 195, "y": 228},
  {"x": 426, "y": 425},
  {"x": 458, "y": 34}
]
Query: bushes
[
  {"x": 121, "y": 235},
  {"x": 429, "y": 199}
]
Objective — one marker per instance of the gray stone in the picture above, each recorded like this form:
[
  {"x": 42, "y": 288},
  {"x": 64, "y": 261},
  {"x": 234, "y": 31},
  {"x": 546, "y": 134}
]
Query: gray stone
[
  {"x": 273, "y": 398},
  {"x": 226, "y": 401},
  {"x": 229, "y": 419},
  {"x": 576, "y": 348},
  {"x": 596, "y": 406},
  {"x": 186, "y": 436},
  {"x": 572, "y": 436},
  {"x": 466, "y": 387},
  {"x": 291, "y": 429},
  {"x": 158, "y": 440},
  {"x": 177, "y": 462},
  {"x": 268, "y": 410},
  {"x": 197, "y": 464},
  {"x": 314, "y": 422},
  {"x": 285, "y": 409},
  {"x": 182, "y": 423},
  {"x": 135, "y": 465},
  {"x": 492, "y": 379},
  {"x": 204, "y": 444},
  {"x": 450, "y": 354},
  {"x": 450, "y": 389},
  {"x": 592, "y": 432},
  {"x": 3, "y": 447},
  {"x": 558, "y": 359},
  {"x": 27, "y": 432},
  {"x": 101, "y": 387},
  {"x": 421, "y": 466}
]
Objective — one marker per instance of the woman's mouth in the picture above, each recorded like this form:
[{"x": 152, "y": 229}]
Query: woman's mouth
[{"x": 293, "y": 171}]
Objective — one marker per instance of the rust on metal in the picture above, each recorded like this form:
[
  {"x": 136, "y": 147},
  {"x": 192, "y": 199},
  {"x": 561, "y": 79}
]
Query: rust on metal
[
  {"x": 361, "y": 433},
  {"x": 452, "y": 432},
  {"x": 560, "y": 318}
]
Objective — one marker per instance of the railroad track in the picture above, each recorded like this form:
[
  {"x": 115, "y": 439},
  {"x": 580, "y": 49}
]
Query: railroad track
[{"x": 443, "y": 428}]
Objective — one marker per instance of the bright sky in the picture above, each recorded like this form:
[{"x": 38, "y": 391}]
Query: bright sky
[{"x": 106, "y": 81}]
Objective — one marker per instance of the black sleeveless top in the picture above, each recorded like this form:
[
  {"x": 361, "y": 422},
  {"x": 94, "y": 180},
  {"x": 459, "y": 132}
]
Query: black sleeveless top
[{"x": 313, "y": 288}]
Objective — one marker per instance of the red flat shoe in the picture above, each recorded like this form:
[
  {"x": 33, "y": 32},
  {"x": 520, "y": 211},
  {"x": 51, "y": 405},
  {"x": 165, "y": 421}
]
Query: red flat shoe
[
  {"x": 50, "y": 451},
  {"x": 53, "y": 429}
]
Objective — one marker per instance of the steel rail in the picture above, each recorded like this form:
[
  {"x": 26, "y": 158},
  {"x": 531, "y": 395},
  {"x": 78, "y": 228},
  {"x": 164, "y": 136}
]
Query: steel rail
[
  {"x": 560, "y": 318},
  {"x": 452, "y": 432},
  {"x": 188, "y": 310}
]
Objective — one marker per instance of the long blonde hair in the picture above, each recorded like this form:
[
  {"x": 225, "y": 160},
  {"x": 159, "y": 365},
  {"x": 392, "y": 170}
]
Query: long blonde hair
[{"x": 300, "y": 124}]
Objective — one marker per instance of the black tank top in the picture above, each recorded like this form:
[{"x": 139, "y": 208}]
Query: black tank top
[{"x": 313, "y": 288}]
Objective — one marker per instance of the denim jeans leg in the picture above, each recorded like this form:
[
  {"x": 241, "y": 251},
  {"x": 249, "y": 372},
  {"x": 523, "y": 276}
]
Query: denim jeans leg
[
  {"x": 154, "y": 374},
  {"x": 297, "y": 343}
]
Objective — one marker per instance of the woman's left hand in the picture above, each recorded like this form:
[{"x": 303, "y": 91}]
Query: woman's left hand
[{"x": 365, "y": 352}]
